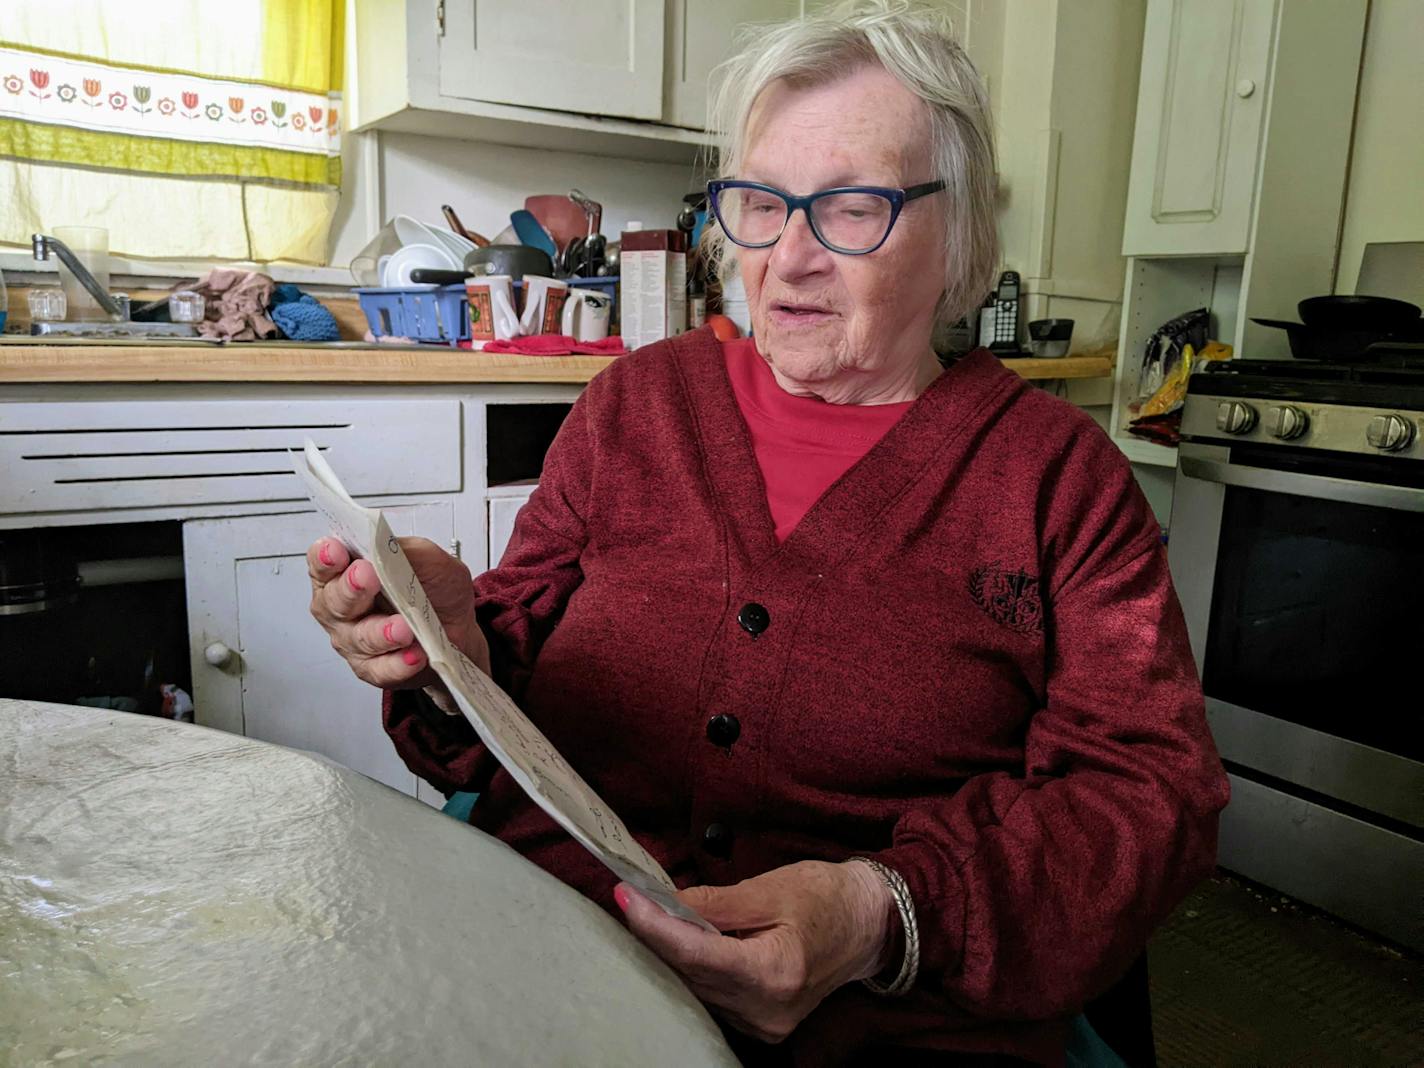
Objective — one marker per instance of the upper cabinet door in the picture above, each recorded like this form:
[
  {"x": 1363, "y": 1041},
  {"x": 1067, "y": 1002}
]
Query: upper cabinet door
[
  {"x": 1200, "y": 107},
  {"x": 597, "y": 57},
  {"x": 700, "y": 35}
]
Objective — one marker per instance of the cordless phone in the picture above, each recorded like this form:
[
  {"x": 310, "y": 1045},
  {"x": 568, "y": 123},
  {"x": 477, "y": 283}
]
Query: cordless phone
[{"x": 1005, "y": 337}]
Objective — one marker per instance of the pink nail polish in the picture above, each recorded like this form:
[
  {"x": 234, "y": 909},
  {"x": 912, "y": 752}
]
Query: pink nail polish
[
  {"x": 411, "y": 656},
  {"x": 351, "y": 579},
  {"x": 386, "y": 630},
  {"x": 620, "y": 896},
  {"x": 325, "y": 554}
]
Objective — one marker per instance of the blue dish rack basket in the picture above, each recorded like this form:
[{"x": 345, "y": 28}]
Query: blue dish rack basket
[
  {"x": 421, "y": 313},
  {"x": 439, "y": 314}
]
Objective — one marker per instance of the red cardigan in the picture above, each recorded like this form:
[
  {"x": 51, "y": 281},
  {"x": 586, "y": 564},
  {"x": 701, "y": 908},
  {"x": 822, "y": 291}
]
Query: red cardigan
[{"x": 967, "y": 660}]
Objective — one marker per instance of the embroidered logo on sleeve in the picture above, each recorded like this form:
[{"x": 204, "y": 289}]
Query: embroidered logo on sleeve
[{"x": 1010, "y": 598}]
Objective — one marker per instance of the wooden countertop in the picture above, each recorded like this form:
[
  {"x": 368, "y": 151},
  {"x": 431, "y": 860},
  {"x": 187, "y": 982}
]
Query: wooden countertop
[
  {"x": 146, "y": 362},
  {"x": 38, "y": 361}
]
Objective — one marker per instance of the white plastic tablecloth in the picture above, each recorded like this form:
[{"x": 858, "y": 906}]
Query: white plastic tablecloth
[{"x": 176, "y": 895}]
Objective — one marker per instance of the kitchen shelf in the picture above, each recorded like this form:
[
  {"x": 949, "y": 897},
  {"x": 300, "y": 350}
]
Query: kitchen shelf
[{"x": 1032, "y": 367}]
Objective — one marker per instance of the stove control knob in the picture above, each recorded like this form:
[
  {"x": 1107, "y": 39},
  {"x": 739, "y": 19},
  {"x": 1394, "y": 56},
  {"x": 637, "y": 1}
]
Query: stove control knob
[
  {"x": 1234, "y": 417},
  {"x": 1287, "y": 422},
  {"x": 1389, "y": 432}
]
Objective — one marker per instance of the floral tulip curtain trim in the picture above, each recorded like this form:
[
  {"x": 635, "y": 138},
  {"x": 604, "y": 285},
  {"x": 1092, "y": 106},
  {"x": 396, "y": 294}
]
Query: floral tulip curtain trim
[{"x": 249, "y": 120}]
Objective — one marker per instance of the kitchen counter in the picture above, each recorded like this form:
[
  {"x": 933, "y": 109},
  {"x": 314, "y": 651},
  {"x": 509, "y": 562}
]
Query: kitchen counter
[
  {"x": 43, "y": 360},
  {"x": 145, "y": 361}
]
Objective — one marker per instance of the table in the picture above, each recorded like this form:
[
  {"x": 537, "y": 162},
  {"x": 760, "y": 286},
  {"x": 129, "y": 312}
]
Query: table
[{"x": 171, "y": 894}]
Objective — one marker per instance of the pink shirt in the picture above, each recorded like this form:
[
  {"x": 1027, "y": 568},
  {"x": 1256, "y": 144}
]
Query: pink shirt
[{"x": 802, "y": 445}]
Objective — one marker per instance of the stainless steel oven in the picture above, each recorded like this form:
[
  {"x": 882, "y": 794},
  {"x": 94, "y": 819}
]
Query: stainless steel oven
[{"x": 1297, "y": 548}]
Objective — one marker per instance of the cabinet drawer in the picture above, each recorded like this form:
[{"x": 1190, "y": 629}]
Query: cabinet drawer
[
  {"x": 61, "y": 457},
  {"x": 504, "y": 504}
]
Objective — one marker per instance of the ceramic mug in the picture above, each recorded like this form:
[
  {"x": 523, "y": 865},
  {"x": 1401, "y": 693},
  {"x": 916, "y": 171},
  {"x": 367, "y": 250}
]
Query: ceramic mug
[
  {"x": 543, "y": 304},
  {"x": 492, "y": 314},
  {"x": 586, "y": 315}
]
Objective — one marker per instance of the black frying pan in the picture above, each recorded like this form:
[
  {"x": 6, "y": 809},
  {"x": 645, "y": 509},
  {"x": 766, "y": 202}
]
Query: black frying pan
[
  {"x": 1357, "y": 313},
  {"x": 1338, "y": 344}
]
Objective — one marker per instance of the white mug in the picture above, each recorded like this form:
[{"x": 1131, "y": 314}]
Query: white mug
[
  {"x": 543, "y": 304},
  {"x": 586, "y": 314},
  {"x": 492, "y": 313}
]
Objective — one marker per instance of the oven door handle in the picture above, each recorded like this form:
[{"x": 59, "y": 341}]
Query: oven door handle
[{"x": 1399, "y": 498}]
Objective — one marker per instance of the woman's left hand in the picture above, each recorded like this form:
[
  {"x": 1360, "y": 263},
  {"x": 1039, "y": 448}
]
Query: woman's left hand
[{"x": 791, "y": 937}]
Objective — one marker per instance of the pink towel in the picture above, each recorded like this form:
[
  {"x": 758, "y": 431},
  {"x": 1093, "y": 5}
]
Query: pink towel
[
  {"x": 236, "y": 304},
  {"x": 558, "y": 345}
]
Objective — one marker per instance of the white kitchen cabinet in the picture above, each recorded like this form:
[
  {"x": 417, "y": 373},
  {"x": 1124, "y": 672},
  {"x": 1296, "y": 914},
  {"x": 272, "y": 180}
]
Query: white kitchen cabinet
[
  {"x": 262, "y": 667},
  {"x": 214, "y": 456},
  {"x": 1201, "y": 103},
  {"x": 584, "y": 77},
  {"x": 622, "y": 78},
  {"x": 699, "y": 37},
  {"x": 598, "y": 57},
  {"x": 1256, "y": 229},
  {"x": 184, "y": 452},
  {"x": 504, "y": 504}
]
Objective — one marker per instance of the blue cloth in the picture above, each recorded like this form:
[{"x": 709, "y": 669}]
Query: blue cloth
[
  {"x": 1087, "y": 1050},
  {"x": 459, "y": 806},
  {"x": 303, "y": 318}
]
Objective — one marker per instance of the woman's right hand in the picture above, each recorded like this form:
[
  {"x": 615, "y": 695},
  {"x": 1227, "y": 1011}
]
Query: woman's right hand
[{"x": 379, "y": 646}]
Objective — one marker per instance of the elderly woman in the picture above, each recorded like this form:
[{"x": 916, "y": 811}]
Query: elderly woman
[{"x": 881, "y": 661}]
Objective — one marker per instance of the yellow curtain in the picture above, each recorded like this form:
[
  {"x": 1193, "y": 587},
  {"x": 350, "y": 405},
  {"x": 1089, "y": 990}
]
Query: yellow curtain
[{"x": 189, "y": 128}]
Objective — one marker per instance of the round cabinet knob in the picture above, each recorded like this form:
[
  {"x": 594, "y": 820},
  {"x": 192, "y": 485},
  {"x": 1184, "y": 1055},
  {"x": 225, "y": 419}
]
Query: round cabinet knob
[
  {"x": 218, "y": 655},
  {"x": 1245, "y": 87},
  {"x": 1389, "y": 432},
  {"x": 1287, "y": 422},
  {"x": 1234, "y": 417}
]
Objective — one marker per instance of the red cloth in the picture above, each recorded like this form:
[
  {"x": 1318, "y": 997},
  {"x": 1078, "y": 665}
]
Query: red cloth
[
  {"x": 802, "y": 444},
  {"x": 975, "y": 670},
  {"x": 557, "y": 345}
]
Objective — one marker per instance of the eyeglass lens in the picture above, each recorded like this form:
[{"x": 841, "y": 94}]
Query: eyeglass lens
[{"x": 851, "y": 221}]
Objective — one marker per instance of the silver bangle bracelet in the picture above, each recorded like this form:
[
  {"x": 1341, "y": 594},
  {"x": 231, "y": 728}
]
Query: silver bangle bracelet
[{"x": 910, "y": 966}]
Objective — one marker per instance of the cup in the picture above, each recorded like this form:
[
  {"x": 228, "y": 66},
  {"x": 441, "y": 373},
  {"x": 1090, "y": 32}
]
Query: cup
[
  {"x": 90, "y": 245},
  {"x": 492, "y": 314},
  {"x": 543, "y": 304},
  {"x": 586, "y": 315}
]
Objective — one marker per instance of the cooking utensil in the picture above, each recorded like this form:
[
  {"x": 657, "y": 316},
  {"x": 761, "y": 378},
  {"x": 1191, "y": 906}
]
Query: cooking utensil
[
  {"x": 1348, "y": 312},
  {"x": 431, "y": 276},
  {"x": 1337, "y": 344},
  {"x": 592, "y": 209},
  {"x": 532, "y": 233},
  {"x": 513, "y": 260},
  {"x": 572, "y": 260},
  {"x": 563, "y": 218},
  {"x": 593, "y": 254},
  {"x": 612, "y": 256},
  {"x": 478, "y": 240}
]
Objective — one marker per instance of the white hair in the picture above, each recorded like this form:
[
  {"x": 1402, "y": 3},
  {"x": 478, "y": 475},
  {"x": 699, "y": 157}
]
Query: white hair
[{"x": 914, "y": 43}]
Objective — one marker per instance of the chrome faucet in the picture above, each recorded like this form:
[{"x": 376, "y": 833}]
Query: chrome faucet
[{"x": 43, "y": 245}]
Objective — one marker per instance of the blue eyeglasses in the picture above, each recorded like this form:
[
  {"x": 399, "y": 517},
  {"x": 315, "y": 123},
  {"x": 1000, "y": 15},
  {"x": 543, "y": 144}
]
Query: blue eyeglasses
[{"x": 851, "y": 220}]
